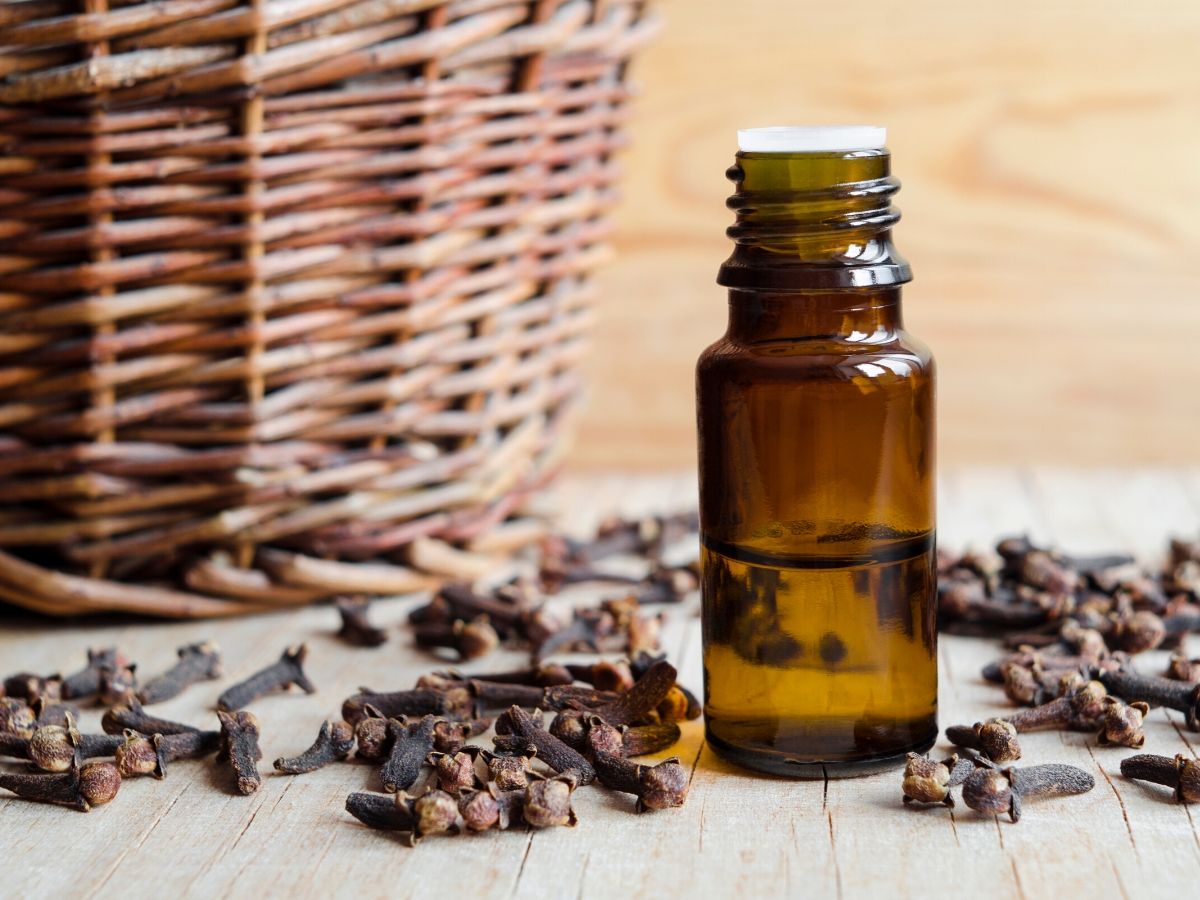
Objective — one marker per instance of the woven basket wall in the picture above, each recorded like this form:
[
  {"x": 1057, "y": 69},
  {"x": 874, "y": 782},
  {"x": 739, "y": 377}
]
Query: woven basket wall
[{"x": 292, "y": 292}]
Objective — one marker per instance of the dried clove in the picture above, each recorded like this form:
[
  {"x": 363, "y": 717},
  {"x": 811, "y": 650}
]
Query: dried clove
[
  {"x": 356, "y": 627},
  {"x": 457, "y": 601},
  {"x": 1180, "y": 773},
  {"x": 569, "y": 696},
  {"x": 81, "y": 787},
  {"x": 600, "y": 737},
  {"x": 133, "y": 717},
  {"x": 14, "y": 745},
  {"x": 550, "y": 750},
  {"x": 640, "y": 740},
  {"x": 1180, "y": 668},
  {"x": 450, "y": 737},
  {"x": 995, "y": 739},
  {"x": 509, "y": 771},
  {"x": 389, "y": 812},
  {"x": 419, "y": 702},
  {"x": 639, "y": 632},
  {"x": 436, "y": 812},
  {"x": 502, "y": 694},
  {"x": 469, "y": 640},
  {"x": 634, "y": 704},
  {"x": 548, "y": 803},
  {"x": 967, "y": 601},
  {"x": 488, "y": 808},
  {"x": 30, "y": 688},
  {"x": 544, "y": 675},
  {"x": 141, "y": 755},
  {"x": 455, "y": 771},
  {"x": 197, "y": 662},
  {"x": 994, "y": 791},
  {"x": 1079, "y": 710},
  {"x": 929, "y": 781},
  {"x": 16, "y": 717},
  {"x": 239, "y": 748},
  {"x": 1178, "y": 695},
  {"x": 604, "y": 675},
  {"x": 86, "y": 682},
  {"x": 412, "y": 742},
  {"x": 334, "y": 741},
  {"x": 1140, "y": 631},
  {"x": 55, "y": 748},
  {"x": 118, "y": 684},
  {"x": 659, "y": 786},
  {"x": 372, "y": 737},
  {"x": 640, "y": 663},
  {"x": 587, "y": 631},
  {"x": 1121, "y": 723},
  {"x": 288, "y": 670}
]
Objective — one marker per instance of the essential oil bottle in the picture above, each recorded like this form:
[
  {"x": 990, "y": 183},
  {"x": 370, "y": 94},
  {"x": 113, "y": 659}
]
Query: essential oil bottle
[{"x": 817, "y": 476}]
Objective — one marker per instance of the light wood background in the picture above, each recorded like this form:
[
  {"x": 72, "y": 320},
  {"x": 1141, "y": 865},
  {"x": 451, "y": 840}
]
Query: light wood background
[
  {"x": 1050, "y": 154},
  {"x": 739, "y": 835}
]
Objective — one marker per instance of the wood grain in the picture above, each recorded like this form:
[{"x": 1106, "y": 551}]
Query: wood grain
[
  {"x": 738, "y": 835},
  {"x": 1047, "y": 151}
]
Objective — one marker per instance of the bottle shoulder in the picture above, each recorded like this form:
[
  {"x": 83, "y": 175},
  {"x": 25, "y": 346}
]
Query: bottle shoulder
[{"x": 900, "y": 353}]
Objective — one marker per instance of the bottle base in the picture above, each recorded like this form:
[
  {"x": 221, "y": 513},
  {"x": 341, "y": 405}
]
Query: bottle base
[{"x": 773, "y": 762}]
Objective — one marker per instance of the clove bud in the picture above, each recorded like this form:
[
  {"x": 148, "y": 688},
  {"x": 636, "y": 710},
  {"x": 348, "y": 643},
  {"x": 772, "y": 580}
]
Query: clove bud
[
  {"x": 239, "y": 748},
  {"x": 141, "y": 755},
  {"x": 548, "y": 803},
  {"x": 280, "y": 675},
  {"x": 412, "y": 742},
  {"x": 1180, "y": 773},
  {"x": 197, "y": 662},
  {"x": 929, "y": 781},
  {"x": 994, "y": 791},
  {"x": 659, "y": 786},
  {"x": 81, "y": 787},
  {"x": 469, "y": 640},
  {"x": 86, "y": 682},
  {"x": 132, "y": 716},
  {"x": 996, "y": 739},
  {"x": 334, "y": 741},
  {"x": 356, "y": 627},
  {"x": 455, "y": 771},
  {"x": 16, "y": 717}
]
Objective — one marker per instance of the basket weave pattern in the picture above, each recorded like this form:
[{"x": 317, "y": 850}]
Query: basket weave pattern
[{"x": 292, "y": 292}]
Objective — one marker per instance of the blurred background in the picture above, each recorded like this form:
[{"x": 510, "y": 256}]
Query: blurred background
[{"x": 1050, "y": 159}]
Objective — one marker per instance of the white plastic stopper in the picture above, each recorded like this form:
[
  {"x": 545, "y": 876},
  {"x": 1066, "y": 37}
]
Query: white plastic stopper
[{"x": 811, "y": 138}]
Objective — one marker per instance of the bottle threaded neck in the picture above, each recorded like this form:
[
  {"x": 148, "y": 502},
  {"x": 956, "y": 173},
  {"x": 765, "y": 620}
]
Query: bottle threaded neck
[{"x": 813, "y": 221}]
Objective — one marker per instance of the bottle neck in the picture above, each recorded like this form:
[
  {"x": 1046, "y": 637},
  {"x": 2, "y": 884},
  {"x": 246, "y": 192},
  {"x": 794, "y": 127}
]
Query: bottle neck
[
  {"x": 864, "y": 315},
  {"x": 813, "y": 221}
]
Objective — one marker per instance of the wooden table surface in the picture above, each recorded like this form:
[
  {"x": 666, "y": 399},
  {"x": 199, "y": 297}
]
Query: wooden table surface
[{"x": 738, "y": 834}]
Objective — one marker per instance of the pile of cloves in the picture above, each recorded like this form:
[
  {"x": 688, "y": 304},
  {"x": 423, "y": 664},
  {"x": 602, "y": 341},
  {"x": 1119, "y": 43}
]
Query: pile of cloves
[
  {"x": 1072, "y": 626},
  {"x": 558, "y": 727},
  {"x": 82, "y": 770},
  {"x": 439, "y": 784},
  {"x": 1026, "y": 594},
  {"x": 464, "y": 623}
]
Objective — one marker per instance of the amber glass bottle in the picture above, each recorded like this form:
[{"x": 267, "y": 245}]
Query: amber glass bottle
[{"x": 816, "y": 419}]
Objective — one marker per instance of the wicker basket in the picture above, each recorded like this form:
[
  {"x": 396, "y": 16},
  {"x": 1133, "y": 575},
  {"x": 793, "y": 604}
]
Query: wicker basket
[{"x": 292, "y": 292}]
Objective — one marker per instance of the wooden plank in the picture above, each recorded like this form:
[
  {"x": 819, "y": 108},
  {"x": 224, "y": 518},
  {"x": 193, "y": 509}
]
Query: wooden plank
[{"x": 739, "y": 834}]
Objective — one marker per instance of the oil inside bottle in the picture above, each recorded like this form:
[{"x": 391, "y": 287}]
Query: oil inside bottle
[{"x": 818, "y": 662}]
